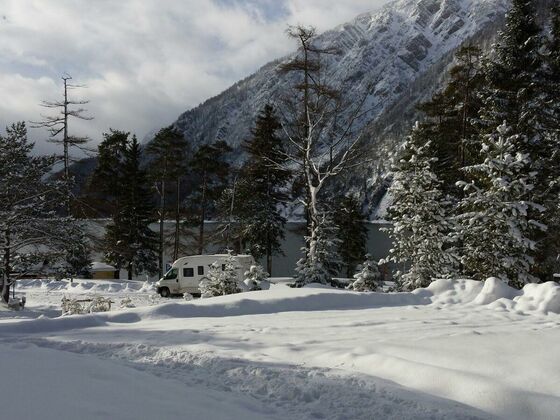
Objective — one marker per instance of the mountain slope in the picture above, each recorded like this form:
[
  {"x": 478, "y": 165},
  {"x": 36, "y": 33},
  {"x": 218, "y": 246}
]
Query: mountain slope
[{"x": 389, "y": 50}]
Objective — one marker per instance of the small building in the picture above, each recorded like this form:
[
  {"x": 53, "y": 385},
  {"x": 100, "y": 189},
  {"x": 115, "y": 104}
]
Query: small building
[{"x": 102, "y": 271}]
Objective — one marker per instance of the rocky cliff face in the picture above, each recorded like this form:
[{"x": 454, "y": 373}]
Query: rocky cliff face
[{"x": 389, "y": 50}]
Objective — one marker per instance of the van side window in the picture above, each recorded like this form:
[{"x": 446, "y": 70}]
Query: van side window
[
  {"x": 188, "y": 272},
  {"x": 200, "y": 270}
]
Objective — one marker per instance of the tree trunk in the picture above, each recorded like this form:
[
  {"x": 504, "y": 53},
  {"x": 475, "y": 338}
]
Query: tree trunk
[
  {"x": 66, "y": 151},
  {"x": 202, "y": 217},
  {"x": 6, "y": 277},
  {"x": 161, "y": 226},
  {"x": 177, "y": 220}
]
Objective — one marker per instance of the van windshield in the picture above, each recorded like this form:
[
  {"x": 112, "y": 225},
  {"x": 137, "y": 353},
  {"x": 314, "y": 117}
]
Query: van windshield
[{"x": 171, "y": 274}]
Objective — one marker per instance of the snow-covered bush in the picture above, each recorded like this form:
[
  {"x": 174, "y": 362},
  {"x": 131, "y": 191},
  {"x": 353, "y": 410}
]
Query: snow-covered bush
[
  {"x": 255, "y": 278},
  {"x": 369, "y": 278},
  {"x": 127, "y": 303},
  {"x": 71, "y": 306},
  {"x": 99, "y": 304},
  {"x": 187, "y": 296},
  {"x": 221, "y": 279}
]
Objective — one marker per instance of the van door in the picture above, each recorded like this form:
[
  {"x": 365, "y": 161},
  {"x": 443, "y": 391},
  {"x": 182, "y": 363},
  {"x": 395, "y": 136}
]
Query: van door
[{"x": 188, "y": 279}]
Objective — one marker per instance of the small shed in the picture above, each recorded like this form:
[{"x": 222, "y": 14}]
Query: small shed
[{"x": 102, "y": 271}]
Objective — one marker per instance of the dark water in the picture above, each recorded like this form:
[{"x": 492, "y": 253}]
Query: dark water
[{"x": 378, "y": 245}]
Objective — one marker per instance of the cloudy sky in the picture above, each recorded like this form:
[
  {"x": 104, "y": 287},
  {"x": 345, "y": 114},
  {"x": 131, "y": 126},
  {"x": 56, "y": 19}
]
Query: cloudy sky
[{"x": 143, "y": 61}]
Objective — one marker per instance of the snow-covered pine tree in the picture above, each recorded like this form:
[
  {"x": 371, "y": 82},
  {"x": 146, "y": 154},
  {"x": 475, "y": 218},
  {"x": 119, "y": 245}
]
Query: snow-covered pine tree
[
  {"x": 496, "y": 228},
  {"x": 31, "y": 230},
  {"x": 221, "y": 279},
  {"x": 254, "y": 277},
  {"x": 368, "y": 279},
  {"x": 129, "y": 241},
  {"x": 511, "y": 74},
  {"x": 548, "y": 261},
  {"x": 326, "y": 262},
  {"x": 421, "y": 227}
]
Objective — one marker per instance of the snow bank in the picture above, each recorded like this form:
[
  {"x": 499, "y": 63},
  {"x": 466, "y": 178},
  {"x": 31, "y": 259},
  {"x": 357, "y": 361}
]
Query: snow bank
[
  {"x": 493, "y": 294},
  {"x": 86, "y": 286},
  {"x": 533, "y": 298}
]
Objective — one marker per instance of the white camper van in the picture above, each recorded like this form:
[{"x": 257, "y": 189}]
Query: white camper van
[{"x": 186, "y": 273}]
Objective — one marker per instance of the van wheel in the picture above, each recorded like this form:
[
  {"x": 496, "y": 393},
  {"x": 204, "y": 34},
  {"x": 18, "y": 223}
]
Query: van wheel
[{"x": 164, "y": 292}]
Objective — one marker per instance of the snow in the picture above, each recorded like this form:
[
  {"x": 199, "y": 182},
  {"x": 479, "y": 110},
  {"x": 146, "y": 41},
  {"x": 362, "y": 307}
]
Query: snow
[
  {"x": 457, "y": 349},
  {"x": 100, "y": 266}
]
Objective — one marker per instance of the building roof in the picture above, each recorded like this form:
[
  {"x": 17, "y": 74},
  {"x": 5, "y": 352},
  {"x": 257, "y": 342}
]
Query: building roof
[{"x": 97, "y": 266}]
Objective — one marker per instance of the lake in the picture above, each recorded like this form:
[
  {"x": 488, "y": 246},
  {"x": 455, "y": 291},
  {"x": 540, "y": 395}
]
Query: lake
[{"x": 378, "y": 243}]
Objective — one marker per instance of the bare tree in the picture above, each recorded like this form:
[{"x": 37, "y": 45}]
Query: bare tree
[
  {"x": 319, "y": 124},
  {"x": 57, "y": 124}
]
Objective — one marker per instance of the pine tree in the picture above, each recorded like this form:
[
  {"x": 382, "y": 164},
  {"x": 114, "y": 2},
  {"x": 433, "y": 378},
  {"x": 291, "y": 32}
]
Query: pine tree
[
  {"x": 369, "y": 278},
  {"x": 352, "y": 232},
  {"x": 421, "y": 227},
  {"x": 31, "y": 231},
  {"x": 59, "y": 124},
  {"x": 511, "y": 74},
  {"x": 265, "y": 178},
  {"x": 221, "y": 279},
  {"x": 327, "y": 262},
  {"x": 547, "y": 261},
  {"x": 107, "y": 179},
  {"x": 211, "y": 170},
  {"x": 168, "y": 152},
  {"x": 452, "y": 117},
  {"x": 130, "y": 243},
  {"x": 255, "y": 277},
  {"x": 497, "y": 228}
]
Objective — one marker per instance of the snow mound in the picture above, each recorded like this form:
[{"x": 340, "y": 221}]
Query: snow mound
[
  {"x": 541, "y": 298},
  {"x": 89, "y": 286}
]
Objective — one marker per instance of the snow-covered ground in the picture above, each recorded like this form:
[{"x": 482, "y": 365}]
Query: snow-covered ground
[{"x": 459, "y": 349}]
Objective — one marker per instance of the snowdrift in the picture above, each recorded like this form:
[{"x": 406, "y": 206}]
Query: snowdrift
[
  {"x": 533, "y": 298},
  {"x": 86, "y": 286},
  {"x": 492, "y": 294}
]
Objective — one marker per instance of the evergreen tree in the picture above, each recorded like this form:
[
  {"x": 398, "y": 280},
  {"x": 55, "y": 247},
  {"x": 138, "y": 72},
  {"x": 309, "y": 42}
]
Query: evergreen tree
[
  {"x": 169, "y": 153},
  {"x": 352, "y": 232},
  {"x": 265, "y": 181},
  {"x": 211, "y": 169},
  {"x": 452, "y": 116},
  {"x": 130, "y": 243},
  {"x": 495, "y": 219},
  {"x": 327, "y": 262},
  {"x": 547, "y": 260},
  {"x": 31, "y": 231},
  {"x": 221, "y": 279},
  {"x": 255, "y": 277},
  {"x": 421, "y": 225},
  {"x": 512, "y": 87},
  {"x": 77, "y": 253},
  {"x": 369, "y": 278},
  {"x": 107, "y": 178}
]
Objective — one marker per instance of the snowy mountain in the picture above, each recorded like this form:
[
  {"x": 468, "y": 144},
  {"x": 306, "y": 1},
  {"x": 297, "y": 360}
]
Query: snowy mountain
[{"x": 391, "y": 50}]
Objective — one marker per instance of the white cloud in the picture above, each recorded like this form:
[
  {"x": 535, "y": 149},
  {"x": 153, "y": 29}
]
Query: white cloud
[{"x": 144, "y": 61}]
